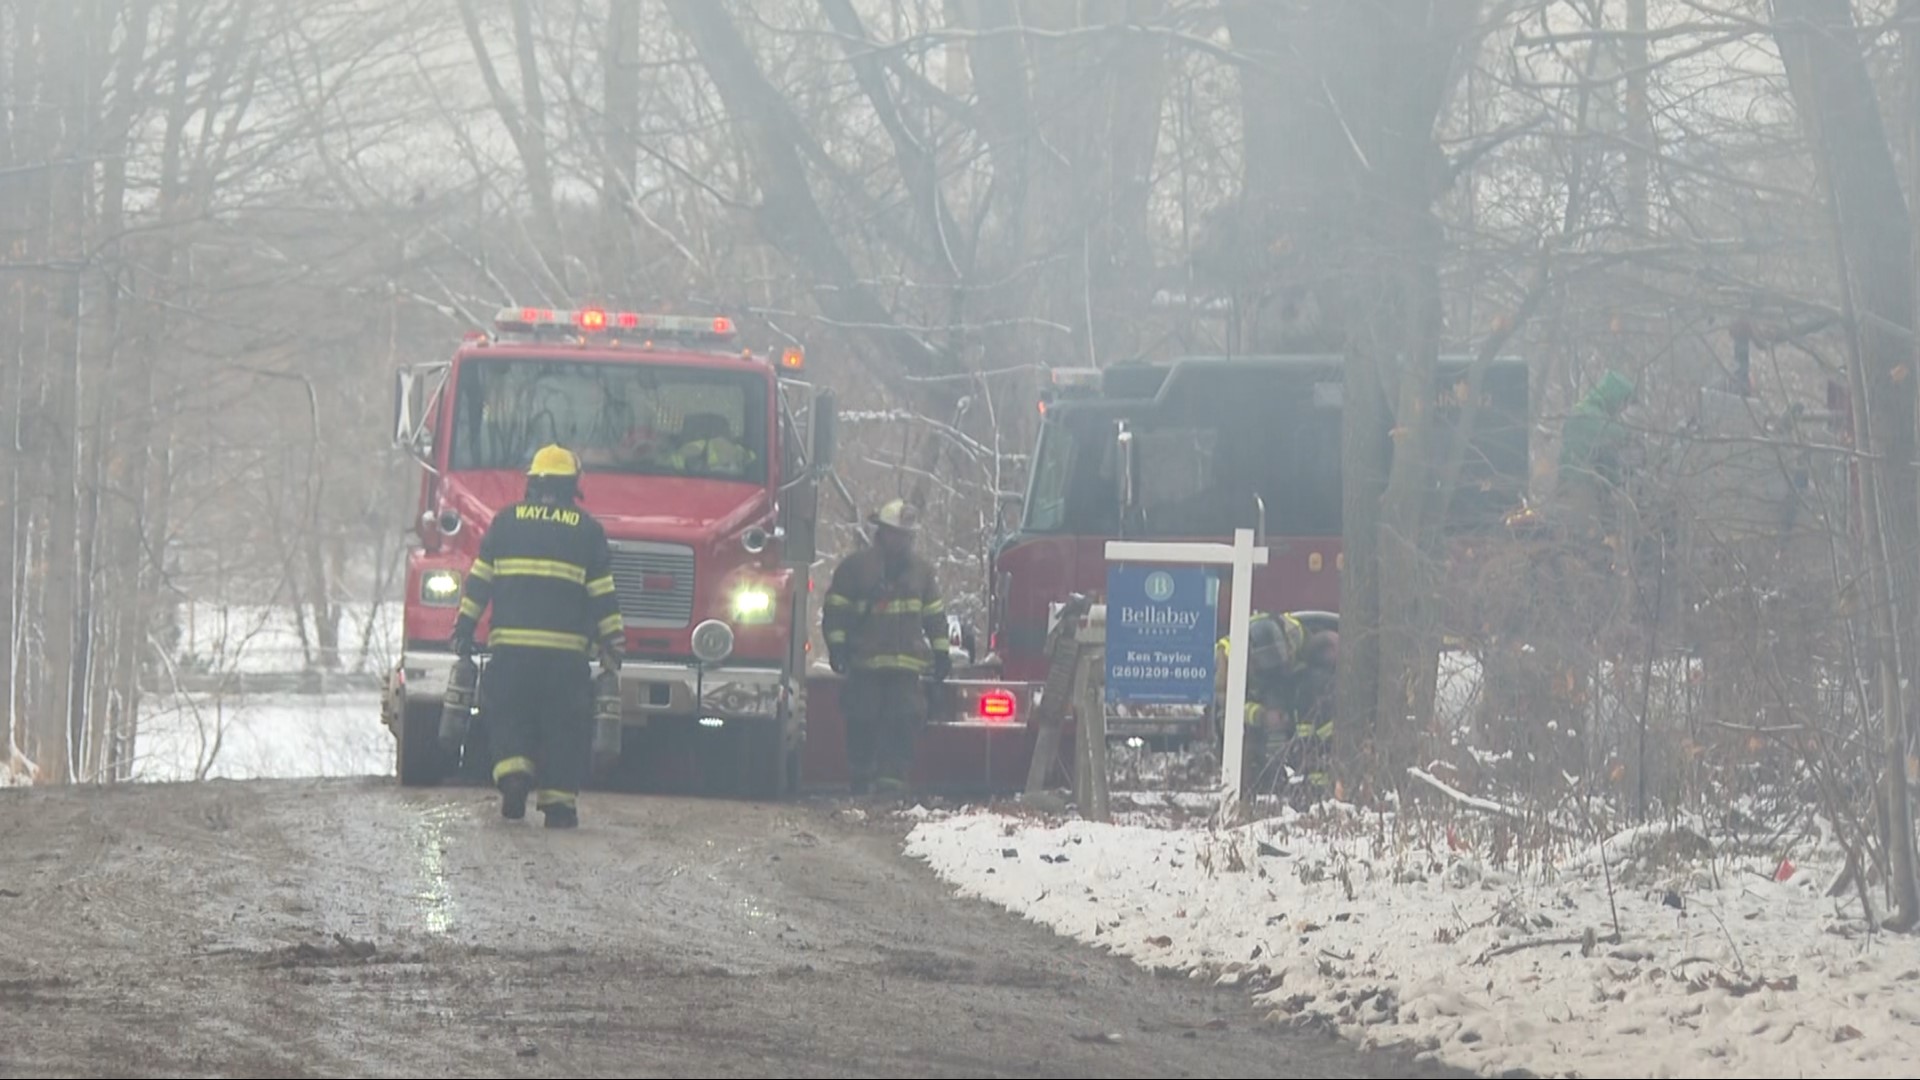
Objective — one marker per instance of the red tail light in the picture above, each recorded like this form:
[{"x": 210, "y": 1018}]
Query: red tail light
[{"x": 997, "y": 705}]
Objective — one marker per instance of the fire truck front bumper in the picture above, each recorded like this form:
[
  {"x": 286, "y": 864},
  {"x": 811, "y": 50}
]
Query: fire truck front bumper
[{"x": 648, "y": 689}]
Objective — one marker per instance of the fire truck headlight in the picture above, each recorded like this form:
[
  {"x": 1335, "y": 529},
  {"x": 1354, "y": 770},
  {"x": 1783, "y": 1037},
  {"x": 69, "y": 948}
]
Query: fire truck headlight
[
  {"x": 441, "y": 588},
  {"x": 753, "y": 605}
]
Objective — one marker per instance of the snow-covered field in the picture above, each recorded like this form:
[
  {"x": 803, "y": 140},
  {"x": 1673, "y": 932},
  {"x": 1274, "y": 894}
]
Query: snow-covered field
[
  {"x": 256, "y": 638},
  {"x": 1722, "y": 968},
  {"x": 262, "y": 736}
]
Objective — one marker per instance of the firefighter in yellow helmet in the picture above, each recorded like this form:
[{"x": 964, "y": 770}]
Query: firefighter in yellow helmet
[
  {"x": 546, "y": 568},
  {"x": 886, "y": 626}
]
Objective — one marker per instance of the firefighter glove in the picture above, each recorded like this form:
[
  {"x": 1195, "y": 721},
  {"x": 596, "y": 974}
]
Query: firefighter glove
[
  {"x": 463, "y": 640},
  {"x": 942, "y": 666},
  {"x": 609, "y": 658},
  {"x": 837, "y": 660}
]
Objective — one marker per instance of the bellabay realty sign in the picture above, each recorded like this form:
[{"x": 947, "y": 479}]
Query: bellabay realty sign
[{"x": 1161, "y": 626}]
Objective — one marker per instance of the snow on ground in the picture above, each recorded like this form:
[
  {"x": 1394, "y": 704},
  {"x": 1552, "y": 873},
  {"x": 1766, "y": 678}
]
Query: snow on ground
[
  {"x": 1721, "y": 971},
  {"x": 262, "y": 736},
  {"x": 256, "y": 638}
]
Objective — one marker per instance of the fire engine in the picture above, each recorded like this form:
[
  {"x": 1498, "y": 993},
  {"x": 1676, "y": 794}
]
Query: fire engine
[
  {"x": 711, "y": 566},
  {"x": 1192, "y": 449}
]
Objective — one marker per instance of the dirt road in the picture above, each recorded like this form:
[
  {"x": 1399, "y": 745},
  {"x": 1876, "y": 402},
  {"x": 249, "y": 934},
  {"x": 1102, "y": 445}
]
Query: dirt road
[{"x": 353, "y": 929}]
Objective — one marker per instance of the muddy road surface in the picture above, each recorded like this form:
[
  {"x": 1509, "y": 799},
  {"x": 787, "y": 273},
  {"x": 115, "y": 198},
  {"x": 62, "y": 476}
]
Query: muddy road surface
[{"x": 350, "y": 928}]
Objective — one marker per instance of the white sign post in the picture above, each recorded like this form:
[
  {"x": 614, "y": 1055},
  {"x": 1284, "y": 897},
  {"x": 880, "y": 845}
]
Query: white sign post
[{"x": 1242, "y": 556}]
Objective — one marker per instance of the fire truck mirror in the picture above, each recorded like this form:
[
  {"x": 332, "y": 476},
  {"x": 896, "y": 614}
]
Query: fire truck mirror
[
  {"x": 410, "y": 432},
  {"x": 403, "y": 425},
  {"x": 826, "y": 420}
]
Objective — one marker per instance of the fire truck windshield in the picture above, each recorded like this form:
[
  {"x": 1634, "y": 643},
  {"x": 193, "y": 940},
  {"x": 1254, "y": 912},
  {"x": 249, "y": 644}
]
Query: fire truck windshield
[
  {"x": 1215, "y": 446},
  {"x": 655, "y": 419},
  {"x": 1191, "y": 479}
]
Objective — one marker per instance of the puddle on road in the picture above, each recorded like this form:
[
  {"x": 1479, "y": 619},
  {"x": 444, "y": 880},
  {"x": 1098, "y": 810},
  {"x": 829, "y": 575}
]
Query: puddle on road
[{"x": 438, "y": 911}]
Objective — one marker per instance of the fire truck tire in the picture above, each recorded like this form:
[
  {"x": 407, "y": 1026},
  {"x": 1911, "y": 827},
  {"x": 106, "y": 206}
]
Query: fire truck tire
[
  {"x": 417, "y": 757},
  {"x": 771, "y": 764}
]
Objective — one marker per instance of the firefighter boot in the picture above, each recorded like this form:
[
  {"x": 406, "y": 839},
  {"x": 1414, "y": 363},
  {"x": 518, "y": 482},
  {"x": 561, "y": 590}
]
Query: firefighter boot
[
  {"x": 560, "y": 808},
  {"x": 514, "y": 789}
]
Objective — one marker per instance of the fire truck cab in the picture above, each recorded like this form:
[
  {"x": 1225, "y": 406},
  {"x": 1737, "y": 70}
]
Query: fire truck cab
[
  {"x": 1197, "y": 447},
  {"x": 701, "y": 460}
]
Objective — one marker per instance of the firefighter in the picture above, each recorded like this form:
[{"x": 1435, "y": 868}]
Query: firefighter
[
  {"x": 1593, "y": 444},
  {"x": 1289, "y": 711},
  {"x": 545, "y": 567},
  {"x": 886, "y": 626},
  {"x": 1313, "y": 681},
  {"x": 707, "y": 448}
]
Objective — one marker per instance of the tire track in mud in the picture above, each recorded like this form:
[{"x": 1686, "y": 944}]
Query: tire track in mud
[{"x": 355, "y": 929}]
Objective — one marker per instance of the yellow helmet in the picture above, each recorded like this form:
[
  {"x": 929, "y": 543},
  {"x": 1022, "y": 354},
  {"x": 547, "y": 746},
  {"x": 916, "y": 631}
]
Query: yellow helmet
[
  {"x": 554, "y": 460},
  {"x": 897, "y": 515}
]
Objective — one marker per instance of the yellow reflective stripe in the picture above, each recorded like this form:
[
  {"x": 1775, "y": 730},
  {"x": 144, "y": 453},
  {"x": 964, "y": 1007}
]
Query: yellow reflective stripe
[
  {"x": 941, "y": 644},
  {"x": 898, "y": 607},
  {"x": 482, "y": 569},
  {"x": 612, "y": 625},
  {"x": 469, "y": 607},
  {"x": 895, "y": 663},
  {"x": 537, "y": 639},
  {"x": 837, "y": 637},
  {"x": 1326, "y": 730},
  {"x": 548, "y": 568},
  {"x": 936, "y": 607},
  {"x": 602, "y": 586},
  {"x": 512, "y": 766},
  {"x": 554, "y": 797},
  {"x": 835, "y": 600},
  {"x": 1253, "y": 712},
  {"x": 1303, "y": 731}
]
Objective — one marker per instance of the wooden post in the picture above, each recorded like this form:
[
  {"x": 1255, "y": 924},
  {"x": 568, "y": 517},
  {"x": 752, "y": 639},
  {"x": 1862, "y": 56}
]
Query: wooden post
[
  {"x": 1063, "y": 657},
  {"x": 1090, "y": 704}
]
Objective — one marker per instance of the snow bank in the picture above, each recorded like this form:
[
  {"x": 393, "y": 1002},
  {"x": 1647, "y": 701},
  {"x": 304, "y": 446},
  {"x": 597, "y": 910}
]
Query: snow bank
[
  {"x": 1721, "y": 971},
  {"x": 262, "y": 736}
]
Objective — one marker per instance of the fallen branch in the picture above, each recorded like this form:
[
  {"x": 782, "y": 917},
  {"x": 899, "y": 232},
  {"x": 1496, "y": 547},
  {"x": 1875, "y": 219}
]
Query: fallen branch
[
  {"x": 1471, "y": 802},
  {"x": 1543, "y": 943}
]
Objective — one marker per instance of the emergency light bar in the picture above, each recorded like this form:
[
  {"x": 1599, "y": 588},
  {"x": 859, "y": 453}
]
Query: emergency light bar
[{"x": 530, "y": 320}]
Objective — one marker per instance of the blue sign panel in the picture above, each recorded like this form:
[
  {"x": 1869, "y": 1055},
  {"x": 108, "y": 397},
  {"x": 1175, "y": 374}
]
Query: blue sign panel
[{"x": 1161, "y": 627}]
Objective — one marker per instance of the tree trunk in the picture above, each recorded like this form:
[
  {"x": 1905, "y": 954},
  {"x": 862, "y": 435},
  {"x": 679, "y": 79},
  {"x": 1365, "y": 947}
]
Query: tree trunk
[
  {"x": 1827, "y": 71},
  {"x": 620, "y": 147}
]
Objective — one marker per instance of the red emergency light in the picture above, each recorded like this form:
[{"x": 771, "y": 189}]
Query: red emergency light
[
  {"x": 998, "y": 705},
  {"x": 531, "y": 320}
]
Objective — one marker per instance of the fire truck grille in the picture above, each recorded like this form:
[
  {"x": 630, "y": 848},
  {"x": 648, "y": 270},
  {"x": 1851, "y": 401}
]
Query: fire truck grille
[{"x": 654, "y": 583}]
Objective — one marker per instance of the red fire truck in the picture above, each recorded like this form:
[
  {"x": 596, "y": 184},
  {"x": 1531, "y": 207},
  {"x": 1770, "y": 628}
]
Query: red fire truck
[
  {"x": 1193, "y": 449},
  {"x": 712, "y": 568}
]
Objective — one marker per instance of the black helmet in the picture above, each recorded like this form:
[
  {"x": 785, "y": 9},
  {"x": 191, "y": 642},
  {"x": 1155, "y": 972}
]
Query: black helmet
[{"x": 1272, "y": 642}]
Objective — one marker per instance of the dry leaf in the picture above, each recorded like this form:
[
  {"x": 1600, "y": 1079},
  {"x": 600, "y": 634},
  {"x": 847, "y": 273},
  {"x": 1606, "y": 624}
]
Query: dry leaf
[{"x": 1161, "y": 942}]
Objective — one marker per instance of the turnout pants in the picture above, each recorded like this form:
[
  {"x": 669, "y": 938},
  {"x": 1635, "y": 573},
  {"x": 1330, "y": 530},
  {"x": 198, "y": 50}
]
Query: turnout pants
[
  {"x": 884, "y": 711},
  {"x": 538, "y": 708}
]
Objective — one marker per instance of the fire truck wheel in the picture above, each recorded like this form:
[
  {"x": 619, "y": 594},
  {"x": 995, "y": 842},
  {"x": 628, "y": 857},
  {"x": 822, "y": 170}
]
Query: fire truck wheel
[
  {"x": 771, "y": 764},
  {"x": 417, "y": 756}
]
